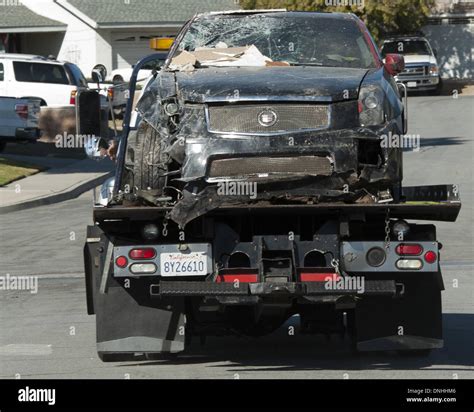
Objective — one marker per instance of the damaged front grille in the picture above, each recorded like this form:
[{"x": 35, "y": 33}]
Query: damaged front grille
[
  {"x": 272, "y": 118},
  {"x": 248, "y": 166}
]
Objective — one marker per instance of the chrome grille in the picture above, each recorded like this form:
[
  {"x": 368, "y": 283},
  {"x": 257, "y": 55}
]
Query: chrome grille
[
  {"x": 415, "y": 71},
  {"x": 245, "y": 118},
  {"x": 248, "y": 166}
]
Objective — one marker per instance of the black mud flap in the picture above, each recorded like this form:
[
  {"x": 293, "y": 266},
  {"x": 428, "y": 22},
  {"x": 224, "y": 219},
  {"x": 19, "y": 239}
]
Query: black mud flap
[
  {"x": 412, "y": 321},
  {"x": 128, "y": 320}
]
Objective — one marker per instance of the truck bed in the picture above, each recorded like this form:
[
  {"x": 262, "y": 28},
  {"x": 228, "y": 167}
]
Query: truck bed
[{"x": 433, "y": 203}]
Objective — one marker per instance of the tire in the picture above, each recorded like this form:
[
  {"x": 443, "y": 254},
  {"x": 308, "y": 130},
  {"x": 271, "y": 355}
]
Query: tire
[
  {"x": 2, "y": 146},
  {"x": 118, "y": 112},
  {"x": 148, "y": 167},
  {"x": 118, "y": 79},
  {"x": 437, "y": 91}
]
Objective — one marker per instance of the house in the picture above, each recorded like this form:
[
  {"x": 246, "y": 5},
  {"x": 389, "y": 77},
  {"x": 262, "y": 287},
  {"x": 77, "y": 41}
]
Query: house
[
  {"x": 450, "y": 30},
  {"x": 115, "y": 33}
]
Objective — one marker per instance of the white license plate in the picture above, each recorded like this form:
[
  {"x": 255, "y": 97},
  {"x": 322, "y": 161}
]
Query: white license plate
[
  {"x": 183, "y": 264},
  {"x": 411, "y": 84}
]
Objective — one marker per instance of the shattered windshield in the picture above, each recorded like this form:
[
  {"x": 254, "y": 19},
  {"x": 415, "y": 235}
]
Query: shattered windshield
[{"x": 294, "y": 40}]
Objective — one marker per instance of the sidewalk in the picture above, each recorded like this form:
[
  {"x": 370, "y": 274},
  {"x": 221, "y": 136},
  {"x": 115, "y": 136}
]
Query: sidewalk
[{"x": 65, "y": 180}]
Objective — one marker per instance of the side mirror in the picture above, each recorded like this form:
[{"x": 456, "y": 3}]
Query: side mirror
[
  {"x": 394, "y": 63},
  {"x": 99, "y": 73},
  {"x": 97, "y": 76}
]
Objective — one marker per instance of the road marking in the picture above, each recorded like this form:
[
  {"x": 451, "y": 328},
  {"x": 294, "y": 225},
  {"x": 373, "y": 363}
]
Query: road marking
[
  {"x": 62, "y": 276},
  {"x": 25, "y": 349}
]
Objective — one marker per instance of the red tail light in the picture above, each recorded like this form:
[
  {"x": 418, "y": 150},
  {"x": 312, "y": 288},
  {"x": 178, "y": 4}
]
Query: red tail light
[
  {"x": 319, "y": 277},
  {"x": 240, "y": 277},
  {"x": 121, "y": 261},
  {"x": 404, "y": 249},
  {"x": 430, "y": 256},
  {"x": 72, "y": 99},
  {"x": 110, "y": 93},
  {"x": 142, "y": 254},
  {"x": 22, "y": 111}
]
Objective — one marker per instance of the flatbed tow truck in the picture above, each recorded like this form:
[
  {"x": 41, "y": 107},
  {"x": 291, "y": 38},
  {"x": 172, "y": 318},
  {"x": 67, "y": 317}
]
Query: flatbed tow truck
[{"x": 158, "y": 275}]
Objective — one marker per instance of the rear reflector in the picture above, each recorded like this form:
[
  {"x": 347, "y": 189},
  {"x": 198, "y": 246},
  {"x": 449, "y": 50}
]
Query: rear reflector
[
  {"x": 140, "y": 254},
  {"x": 409, "y": 264},
  {"x": 143, "y": 268},
  {"x": 404, "y": 249},
  {"x": 22, "y": 111},
  {"x": 430, "y": 257},
  {"x": 72, "y": 98},
  {"x": 319, "y": 277},
  {"x": 121, "y": 261},
  {"x": 242, "y": 278}
]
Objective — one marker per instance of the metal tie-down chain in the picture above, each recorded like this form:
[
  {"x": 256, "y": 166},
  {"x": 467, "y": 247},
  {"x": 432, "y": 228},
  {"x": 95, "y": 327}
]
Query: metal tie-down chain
[{"x": 387, "y": 229}]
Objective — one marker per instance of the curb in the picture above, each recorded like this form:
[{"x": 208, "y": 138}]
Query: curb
[{"x": 69, "y": 193}]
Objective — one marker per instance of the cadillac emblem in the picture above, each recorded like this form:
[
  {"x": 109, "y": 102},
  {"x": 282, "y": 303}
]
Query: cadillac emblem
[{"x": 267, "y": 118}]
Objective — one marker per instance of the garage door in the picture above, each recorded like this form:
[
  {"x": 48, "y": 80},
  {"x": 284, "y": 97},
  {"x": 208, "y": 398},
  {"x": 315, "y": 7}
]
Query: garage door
[{"x": 127, "y": 50}]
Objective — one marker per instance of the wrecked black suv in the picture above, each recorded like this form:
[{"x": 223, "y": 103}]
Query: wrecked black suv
[
  {"x": 258, "y": 179},
  {"x": 296, "y": 102}
]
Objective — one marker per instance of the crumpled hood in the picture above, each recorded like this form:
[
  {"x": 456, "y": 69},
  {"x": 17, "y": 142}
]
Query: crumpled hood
[
  {"x": 287, "y": 83},
  {"x": 419, "y": 58}
]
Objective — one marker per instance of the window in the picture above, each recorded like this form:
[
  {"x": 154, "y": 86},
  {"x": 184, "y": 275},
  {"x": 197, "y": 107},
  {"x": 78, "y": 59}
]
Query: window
[
  {"x": 40, "y": 73},
  {"x": 406, "y": 47},
  {"x": 76, "y": 75},
  {"x": 291, "y": 37},
  {"x": 2, "y": 72}
]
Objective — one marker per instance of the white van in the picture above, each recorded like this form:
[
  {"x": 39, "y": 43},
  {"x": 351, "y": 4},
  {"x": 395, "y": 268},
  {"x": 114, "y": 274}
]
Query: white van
[{"x": 53, "y": 82}]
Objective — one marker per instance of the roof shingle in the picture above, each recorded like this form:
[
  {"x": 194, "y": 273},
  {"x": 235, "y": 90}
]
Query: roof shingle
[
  {"x": 16, "y": 16},
  {"x": 108, "y": 12}
]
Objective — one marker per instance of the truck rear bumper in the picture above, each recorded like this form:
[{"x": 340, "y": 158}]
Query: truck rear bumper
[
  {"x": 183, "y": 289},
  {"x": 26, "y": 134}
]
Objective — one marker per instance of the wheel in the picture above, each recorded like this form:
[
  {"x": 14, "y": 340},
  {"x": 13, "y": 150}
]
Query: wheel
[
  {"x": 118, "y": 79},
  {"x": 118, "y": 112},
  {"x": 150, "y": 163},
  {"x": 2, "y": 146},
  {"x": 437, "y": 91}
]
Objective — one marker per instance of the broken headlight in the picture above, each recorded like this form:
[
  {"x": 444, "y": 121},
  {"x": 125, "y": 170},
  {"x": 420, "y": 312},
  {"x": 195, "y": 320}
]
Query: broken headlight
[{"x": 371, "y": 105}]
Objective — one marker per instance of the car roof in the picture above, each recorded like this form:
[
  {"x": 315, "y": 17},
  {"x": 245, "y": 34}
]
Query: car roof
[
  {"x": 408, "y": 38},
  {"x": 28, "y": 58},
  {"x": 281, "y": 13}
]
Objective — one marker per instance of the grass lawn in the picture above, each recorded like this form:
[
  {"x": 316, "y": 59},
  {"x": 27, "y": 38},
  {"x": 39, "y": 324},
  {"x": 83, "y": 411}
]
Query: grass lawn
[{"x": 12, "y": 170}]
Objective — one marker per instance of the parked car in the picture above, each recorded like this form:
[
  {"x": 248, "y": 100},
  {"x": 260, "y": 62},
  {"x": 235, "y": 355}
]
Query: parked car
[
  {"x": 118, "y": 91},
  {"x": 124, "y": 75},
  {"x": 421, "y": 66},
  {"x": 54, "y": 82},
  {"x": 18, "y": 120}
]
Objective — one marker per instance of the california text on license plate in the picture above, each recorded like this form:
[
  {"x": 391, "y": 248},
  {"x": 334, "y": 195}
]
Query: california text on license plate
[{"x": 183, "y": 264}]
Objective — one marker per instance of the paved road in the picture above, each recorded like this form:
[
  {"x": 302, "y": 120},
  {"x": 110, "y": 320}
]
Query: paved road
[{"x": 48, "y": 335}]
